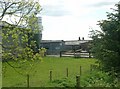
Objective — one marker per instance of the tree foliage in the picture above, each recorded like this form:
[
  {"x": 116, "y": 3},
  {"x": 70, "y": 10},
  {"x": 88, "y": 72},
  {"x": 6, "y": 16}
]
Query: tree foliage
[
  {"x": 18, "y": 8},
  {"x": 18, "y": 42},
  {"x": 106, "y": 43}
]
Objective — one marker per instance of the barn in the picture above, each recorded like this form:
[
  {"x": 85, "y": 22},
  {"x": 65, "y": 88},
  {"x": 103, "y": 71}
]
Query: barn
[{"x": 54, "y": 47}]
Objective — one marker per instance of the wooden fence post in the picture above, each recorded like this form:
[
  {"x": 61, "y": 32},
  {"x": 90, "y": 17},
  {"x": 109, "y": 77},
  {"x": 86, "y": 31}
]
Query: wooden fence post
[
  {"x": 78, "y": 81},
  {"x": 91, "y": 68},
  {"x": 80, "y": 70},
  {"x": 50, "y": 75},
  {"x": 67, "y": 72},
  {"x": 60, "y": 53},
  {"x": 89, "y": 55},
  {"x": 113, "y": 72},
  {"x": 28, "y": 84},
  {"x": 113, "y": 75}
]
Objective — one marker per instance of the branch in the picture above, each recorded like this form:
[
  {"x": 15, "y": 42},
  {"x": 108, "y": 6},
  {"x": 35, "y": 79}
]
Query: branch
[
  {"x": 14, "y": 68},
  {"x": 11, "y": 65},
  {"x": 6, "y": 8}
]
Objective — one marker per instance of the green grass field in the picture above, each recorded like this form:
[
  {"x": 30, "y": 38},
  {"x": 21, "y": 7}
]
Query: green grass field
[{"x": 40, "y": 78}]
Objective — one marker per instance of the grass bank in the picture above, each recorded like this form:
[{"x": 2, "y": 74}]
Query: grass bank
[{"x": 39, "y": 76}]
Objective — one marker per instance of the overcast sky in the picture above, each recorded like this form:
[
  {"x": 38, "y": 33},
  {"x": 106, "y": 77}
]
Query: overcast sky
[{"x": 70, "y": 19}]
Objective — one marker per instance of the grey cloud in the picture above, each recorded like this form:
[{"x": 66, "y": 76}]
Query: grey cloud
[
  {"x": 105, "y": 3},
  {"x": 56, "y": 10}
]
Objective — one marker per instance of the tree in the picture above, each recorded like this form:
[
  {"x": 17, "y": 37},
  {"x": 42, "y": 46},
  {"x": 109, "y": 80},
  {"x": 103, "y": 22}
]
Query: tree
[
  {"x": 106, "y": 43},
  {"x": 17, "y": 35},
  {"x": 20, "y": 8}
]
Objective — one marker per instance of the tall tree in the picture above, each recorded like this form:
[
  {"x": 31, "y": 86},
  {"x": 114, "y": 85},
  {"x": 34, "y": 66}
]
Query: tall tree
[
  {"x": 17, "y": 32},
  {"x": 21, "y": 9},
  {"x": 106, "y": 43}
]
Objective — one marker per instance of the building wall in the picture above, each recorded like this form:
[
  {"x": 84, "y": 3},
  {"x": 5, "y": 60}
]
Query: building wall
[
  {"x": 85, "y": 46},
  {"x": 53, "y": 48},
  {"x": 71, "y": 47}
]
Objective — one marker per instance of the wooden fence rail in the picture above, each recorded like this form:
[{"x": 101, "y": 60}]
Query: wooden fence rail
[{"x": 76, "y": 54}]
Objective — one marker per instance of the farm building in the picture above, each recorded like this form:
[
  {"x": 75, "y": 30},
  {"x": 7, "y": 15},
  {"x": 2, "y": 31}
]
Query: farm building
[{"x": 54, "y": 47}]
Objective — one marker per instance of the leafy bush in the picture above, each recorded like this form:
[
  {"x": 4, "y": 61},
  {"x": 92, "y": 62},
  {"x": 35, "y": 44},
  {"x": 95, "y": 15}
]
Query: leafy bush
[
  {"x": 64, "y": 82},
  {"x": 99, "y": 79},
  {"x": 42, "y": 52}
]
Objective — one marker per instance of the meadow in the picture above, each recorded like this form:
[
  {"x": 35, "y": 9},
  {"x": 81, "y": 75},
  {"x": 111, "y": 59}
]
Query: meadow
[{"x": 39, "y": 76}]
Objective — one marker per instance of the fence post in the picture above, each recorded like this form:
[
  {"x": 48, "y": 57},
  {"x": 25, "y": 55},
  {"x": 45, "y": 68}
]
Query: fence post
[
  {"x": 80, "y": 70},
  {"x": 28, "y": 84},
  {"x": 91, "y": 67},
  {"x": 60, "y": 53},
  {"x": 78, "y": 81},
  {"x": 113, "y": 74},
  {"x": 50, "y": 75},
  {"x": 67, "y": 72},
  {"x": 89, "y": 55}
]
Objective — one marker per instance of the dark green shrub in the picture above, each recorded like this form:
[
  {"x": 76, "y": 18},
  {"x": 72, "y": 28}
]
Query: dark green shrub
[
  {"x": 64, "y": 82},
  {"x": 99, "y": 79}
]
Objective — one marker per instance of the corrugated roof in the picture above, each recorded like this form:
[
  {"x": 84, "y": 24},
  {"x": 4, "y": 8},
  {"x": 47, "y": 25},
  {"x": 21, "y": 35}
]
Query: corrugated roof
[
  {"x": 77, "y": 42},
  {"x": 72, "y": 42},
  {"x": 50, "y": 41}
]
